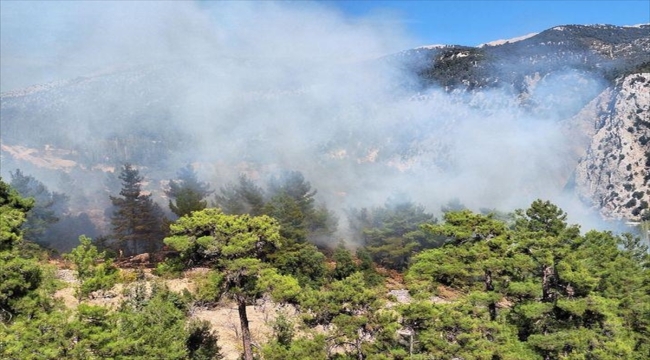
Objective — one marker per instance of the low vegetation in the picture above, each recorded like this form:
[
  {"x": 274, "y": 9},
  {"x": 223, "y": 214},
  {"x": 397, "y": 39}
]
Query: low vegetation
[{"x": 525, "y": 285}]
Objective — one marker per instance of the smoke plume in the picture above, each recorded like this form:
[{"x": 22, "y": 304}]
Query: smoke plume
[{"x": 256, "y": 87}]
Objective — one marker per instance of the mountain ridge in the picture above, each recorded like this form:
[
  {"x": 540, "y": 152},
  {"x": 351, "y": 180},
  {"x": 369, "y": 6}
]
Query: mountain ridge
[{"x": 159, "y": 115}]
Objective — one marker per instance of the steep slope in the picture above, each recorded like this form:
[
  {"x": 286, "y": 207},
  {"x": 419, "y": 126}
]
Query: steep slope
[
  {"x": 526, "y": 116},
  {"x": 604, "y": 50},
  {"x": 614, "y": 174}
]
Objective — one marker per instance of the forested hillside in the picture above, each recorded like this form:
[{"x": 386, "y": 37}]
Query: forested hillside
[
  {"x": 275, "y": 180},
  {"x": 562, "y": 114},
  {"x": 521, "y": 285}
]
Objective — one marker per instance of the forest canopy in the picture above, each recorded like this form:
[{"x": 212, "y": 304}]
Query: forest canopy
[{"x": 470, "y": 286}]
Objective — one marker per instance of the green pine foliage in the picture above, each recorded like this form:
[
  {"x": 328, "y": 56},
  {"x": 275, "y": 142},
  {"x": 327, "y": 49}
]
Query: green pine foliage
[
  {"x": 243, "y": 197},
  {"x": 26, "y": 286},
  {"x": 33, "y": 325},
  {"x": 539, "y": 289},
  {"x": 353, "y": 310},
  {"x": 47, "y": 209},
  {"x": 202, "y": 341},
  {"x": 137, "y": 220},
  {"x": 481, "y": 286},
  {"x": 187, "y": 193},
  {"x": 13, "y": 209},
  {"x": 303, "y": 261},
  {"x": 391, "y": 234},
  {"x": 237, "y": 246},
  {"x": 94, "y": 270},
  {"x": 290, "y": 200},
  {"x": 345, "y": 265},
  {"x": 304, "y": 348},
  {"x": 22, "y": 279}
]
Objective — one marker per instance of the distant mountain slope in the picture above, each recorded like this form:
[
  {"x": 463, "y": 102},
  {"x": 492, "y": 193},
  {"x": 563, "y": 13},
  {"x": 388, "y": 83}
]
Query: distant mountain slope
[
  {"x": 433, "y": 113},
  {"x": 606, "y": 50}
]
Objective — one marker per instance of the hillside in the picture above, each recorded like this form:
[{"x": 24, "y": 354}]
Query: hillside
[
  {"x": 522, "y": 286},
  {"x": 222, "y": 318},
  {"x": 605, "y": 50},
  {"x": 457, "y": 118},
  {"x": 614, "y": 174}
]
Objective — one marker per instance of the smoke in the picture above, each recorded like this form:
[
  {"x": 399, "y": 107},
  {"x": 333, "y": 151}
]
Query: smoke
[{"x": 257, "y": 87}]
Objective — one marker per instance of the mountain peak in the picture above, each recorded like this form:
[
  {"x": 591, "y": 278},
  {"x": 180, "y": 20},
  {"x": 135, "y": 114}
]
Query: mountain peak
[
  {"x": 515, "y": 39},
  {"x": 434, "y": 46}
]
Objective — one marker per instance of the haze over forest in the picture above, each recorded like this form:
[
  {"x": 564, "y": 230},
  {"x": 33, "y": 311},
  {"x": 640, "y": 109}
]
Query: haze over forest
[
  {"x": 283, "y": 180},
  {"x": 236, "y": 87}
]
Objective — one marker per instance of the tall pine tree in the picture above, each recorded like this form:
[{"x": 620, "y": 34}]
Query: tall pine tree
[
  {"x": 47, "y": 210},
  {"x": 137, "y": 220},
  {"x": 187, "y": 193}
]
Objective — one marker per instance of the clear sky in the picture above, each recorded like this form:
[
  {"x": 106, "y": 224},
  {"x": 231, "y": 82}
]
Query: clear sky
[{"x": 467, "y": 22}]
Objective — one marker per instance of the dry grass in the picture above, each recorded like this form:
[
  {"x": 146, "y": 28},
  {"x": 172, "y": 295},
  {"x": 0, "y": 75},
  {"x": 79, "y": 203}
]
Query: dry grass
[{"x": 447, "y": 293}]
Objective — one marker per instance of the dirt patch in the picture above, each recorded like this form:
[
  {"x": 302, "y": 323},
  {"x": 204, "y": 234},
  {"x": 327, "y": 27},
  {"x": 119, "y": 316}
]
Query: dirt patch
[
  {"x": 402, "y": 296},
  {"x": 448, "y": 294},
  {"x": 223, "y": 318},
  {"x": 67, "y": 275},
  {"x": 49, "y": 158},
  {"x": 67, "y": 296},
  {"x": 225, "y": 321}
]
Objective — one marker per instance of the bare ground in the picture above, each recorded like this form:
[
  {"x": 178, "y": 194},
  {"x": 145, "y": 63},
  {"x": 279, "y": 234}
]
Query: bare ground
[{"x": 223, "y": 318}]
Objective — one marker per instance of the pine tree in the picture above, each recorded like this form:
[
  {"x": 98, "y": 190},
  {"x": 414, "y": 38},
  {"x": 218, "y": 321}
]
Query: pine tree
[
  {"x": 354, "y": 308},
  {"x": 536, "y": 290},
  {"x": 291, "y": 200},
  {"x": 20, "y": 277},
  {"x": 237, "y": 246},
  {"x": 48, "y": 206},
  {"x": 186, "y": 193},
  {"x": 345, "y": 265},
  {"x": 137, "y": 220},
  {"x": 13, "y": 210},
  {"x": 391, "y": 234},
  {"x": 243, "y": 197}
]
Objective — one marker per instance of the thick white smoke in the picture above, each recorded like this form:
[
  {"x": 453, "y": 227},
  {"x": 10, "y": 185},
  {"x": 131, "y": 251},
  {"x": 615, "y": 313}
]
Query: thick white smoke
[{"x": 260, "y": 86}]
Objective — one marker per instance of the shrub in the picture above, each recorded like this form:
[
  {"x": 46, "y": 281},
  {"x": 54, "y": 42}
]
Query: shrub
[
  {"x": 104, "y": 277},
  {"x": 125, "y": 276},
  {"x": 170, "y": 268},
  {"x": 94, "y": 272},
  {"x": 202, "y": 341}
]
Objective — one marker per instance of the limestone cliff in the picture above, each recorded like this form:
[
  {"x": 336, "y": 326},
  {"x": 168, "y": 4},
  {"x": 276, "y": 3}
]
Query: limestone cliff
[{"x": 614, "y": 173}]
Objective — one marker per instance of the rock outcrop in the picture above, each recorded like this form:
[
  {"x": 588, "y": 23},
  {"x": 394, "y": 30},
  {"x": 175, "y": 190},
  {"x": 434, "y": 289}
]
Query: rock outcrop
[{"x": 614, "y": 174}]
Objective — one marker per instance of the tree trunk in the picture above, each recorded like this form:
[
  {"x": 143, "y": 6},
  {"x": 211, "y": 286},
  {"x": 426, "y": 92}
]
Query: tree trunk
[
  {"x": 489, "y": 287},
  {"x": 245, "y": 331},
  {"x": 548, "y": 278}
]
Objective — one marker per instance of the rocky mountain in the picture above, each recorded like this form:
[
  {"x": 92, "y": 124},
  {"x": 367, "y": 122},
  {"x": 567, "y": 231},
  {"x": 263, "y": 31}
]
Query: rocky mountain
[
  {"x": 610, "y": 132},
  {"x": 614, "y": 173},
  {"x": 606, "y": 50},
  {"x": 578, "y": 95}
]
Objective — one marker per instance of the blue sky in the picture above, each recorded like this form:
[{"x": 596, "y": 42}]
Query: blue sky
[
  {"x": 49, "y": 40},
  {"x": 471, "y": 23}
]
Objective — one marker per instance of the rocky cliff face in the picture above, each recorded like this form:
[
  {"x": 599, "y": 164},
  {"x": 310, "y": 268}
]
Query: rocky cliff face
[{"x": 614, "y": 173}]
